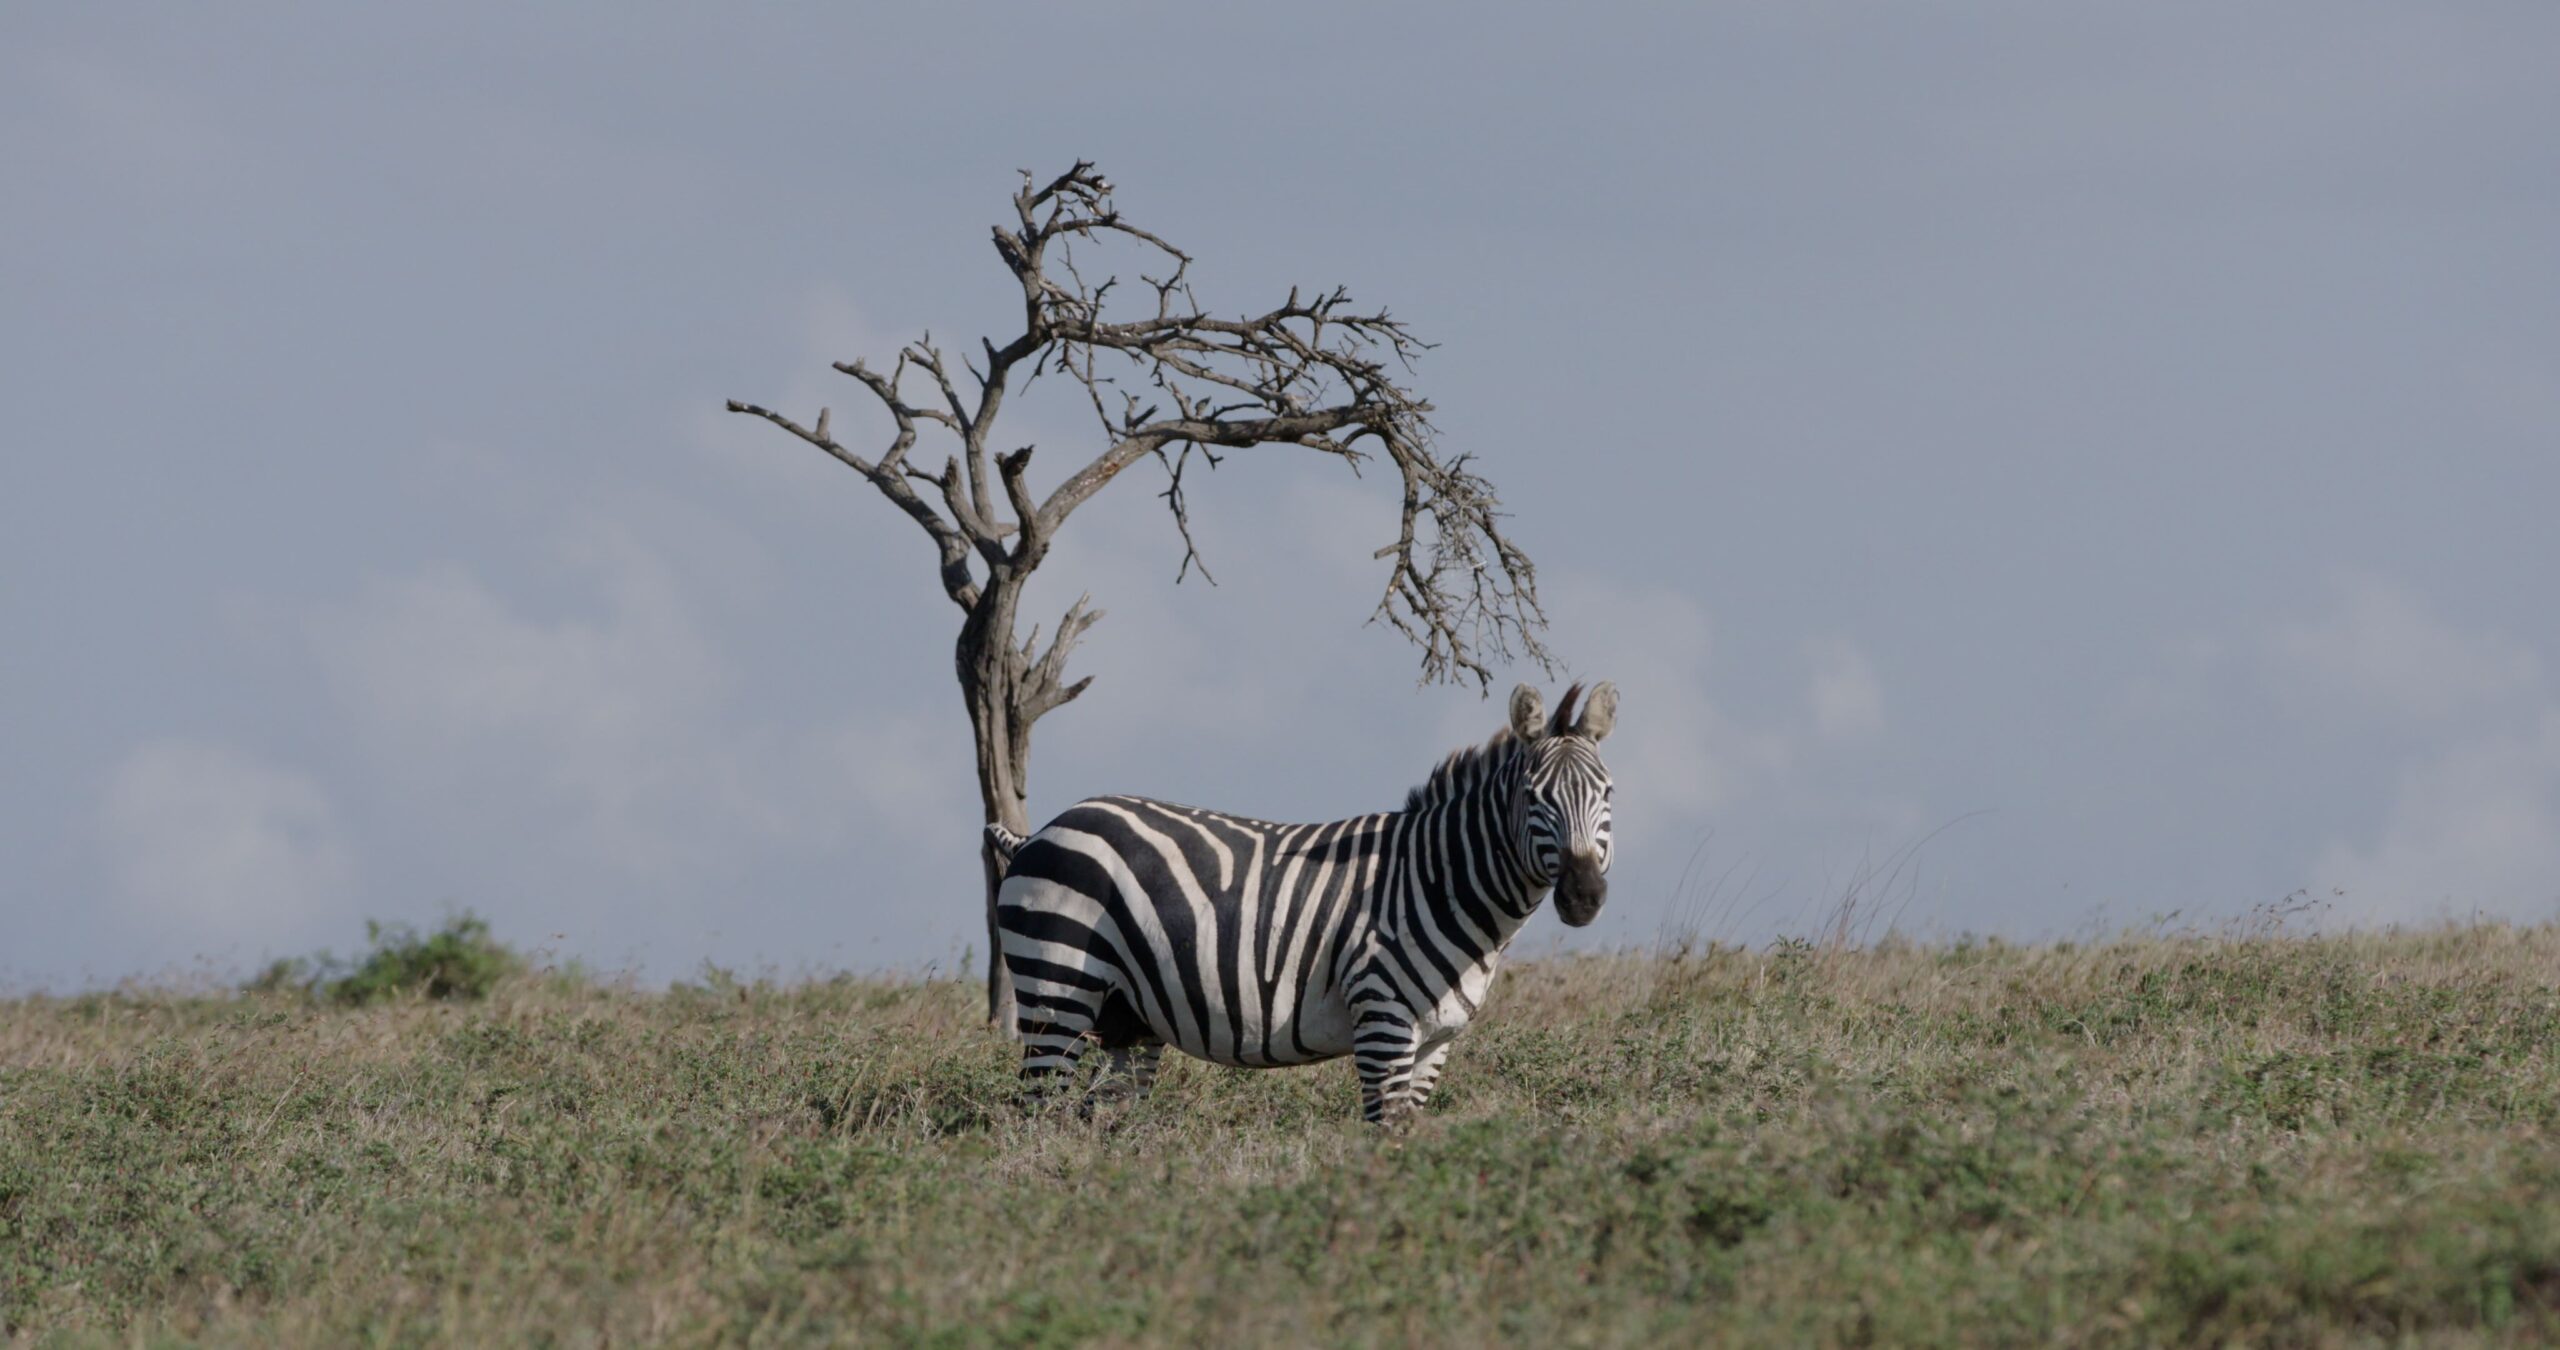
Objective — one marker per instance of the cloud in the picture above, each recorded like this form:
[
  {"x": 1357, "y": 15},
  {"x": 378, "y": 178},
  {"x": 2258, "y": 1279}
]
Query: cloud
[
  {"x": 2381, "y": 651},
  {"x": 1679, "y": 757},
  {"x": 783, "y": 470},
  {"x": 2473, "y": 820},
  {"x": 204, "y": 840},
  {"x": 2475, "y": 828},
  {"x": 616, "y": 723},
  {"x": 1847, "y": 699},
  {"x": 580, "y": 713},
  {"x": 1742, "y": 809},
  {"x": 1267, "y": 693}
]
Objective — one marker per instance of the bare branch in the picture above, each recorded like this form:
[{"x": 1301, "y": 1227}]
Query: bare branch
[
  {"x": 981, "y": 531},
  {"x": 1181, "y": 507},
  {"x": 1043, "y": 684},
  {"x": 1460, "y": 589},
  {"x": 928, "y": 358},
  {"x": 1034, "y": 543},
  {"x": 948, "y": 540},
  {"x": 1229, "y": 432}
]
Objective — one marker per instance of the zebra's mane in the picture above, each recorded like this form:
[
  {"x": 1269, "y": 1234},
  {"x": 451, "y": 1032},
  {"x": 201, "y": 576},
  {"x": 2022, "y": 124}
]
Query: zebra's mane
[{"x": 1464, "y": 769}]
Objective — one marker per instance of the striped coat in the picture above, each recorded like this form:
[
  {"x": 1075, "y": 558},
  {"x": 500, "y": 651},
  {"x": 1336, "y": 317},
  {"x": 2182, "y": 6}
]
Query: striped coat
[{"x": 1136, "y": 924}]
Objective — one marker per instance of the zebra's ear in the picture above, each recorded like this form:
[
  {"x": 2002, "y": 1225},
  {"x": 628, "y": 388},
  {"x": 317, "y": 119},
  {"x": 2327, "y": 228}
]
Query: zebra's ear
[
  {"x": 1528, "y": 714},
  {"x": 1599, "y": 713}
]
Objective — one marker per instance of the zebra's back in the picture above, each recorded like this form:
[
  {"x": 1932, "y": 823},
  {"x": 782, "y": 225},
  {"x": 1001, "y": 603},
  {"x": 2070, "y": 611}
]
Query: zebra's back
[{"x": 1226, "y": 937}]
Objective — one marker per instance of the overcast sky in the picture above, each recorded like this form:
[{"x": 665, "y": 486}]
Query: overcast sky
[{"x": 2126, "y": 439}]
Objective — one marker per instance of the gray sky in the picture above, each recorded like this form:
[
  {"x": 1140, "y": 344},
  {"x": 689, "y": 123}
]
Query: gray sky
[{"x": 2132, "y": 436}]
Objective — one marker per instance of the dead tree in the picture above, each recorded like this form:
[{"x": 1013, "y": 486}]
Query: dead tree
[{"x": 1166, "y": 381}]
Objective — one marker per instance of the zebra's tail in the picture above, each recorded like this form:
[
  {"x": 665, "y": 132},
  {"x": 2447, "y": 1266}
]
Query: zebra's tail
[{"x": 1002, "y": 844}]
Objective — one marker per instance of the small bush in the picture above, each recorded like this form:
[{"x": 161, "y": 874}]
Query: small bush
[
  {"x": 287, "y": 975},
  {"x": 458, "y": 961}
]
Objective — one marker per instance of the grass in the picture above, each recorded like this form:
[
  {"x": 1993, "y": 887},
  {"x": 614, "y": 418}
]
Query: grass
[{"x": 2344, "y": 1141}]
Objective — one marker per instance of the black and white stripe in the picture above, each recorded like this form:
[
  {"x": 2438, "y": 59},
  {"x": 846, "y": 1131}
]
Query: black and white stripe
[{"x": 1136, "y": 924}]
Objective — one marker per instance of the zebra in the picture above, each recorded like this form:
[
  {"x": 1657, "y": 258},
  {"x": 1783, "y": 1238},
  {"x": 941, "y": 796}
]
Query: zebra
[{"x": 1134, "y": 924}]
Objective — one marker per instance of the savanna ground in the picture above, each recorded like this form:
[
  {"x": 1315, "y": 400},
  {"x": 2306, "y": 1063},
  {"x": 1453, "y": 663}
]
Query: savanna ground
[{"x": 2154, "y": 1140}]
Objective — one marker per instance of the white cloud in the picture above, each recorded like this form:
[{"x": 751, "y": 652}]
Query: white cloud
[
  {"x": 615, "y": 725},
  {"x": 1740, "y": 815},
  {"x": 1678, "y": 757},
  {"x": 204, "y": 840},
  {"x": 747, "y": 450},
  {"x": 2473, "y": 829},
  {"x": 2381, "y": 651},
  {"x": 2473, "y": 822},
  {"x": 441, "y": 672},
  {"x": 1847, "y": 699},
  {"x": 1263, "y": 694}
]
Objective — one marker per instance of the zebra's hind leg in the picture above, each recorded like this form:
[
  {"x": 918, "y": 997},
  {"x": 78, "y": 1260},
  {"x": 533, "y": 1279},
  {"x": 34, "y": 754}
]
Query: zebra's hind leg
[{"x": 1054, "y": 1033}]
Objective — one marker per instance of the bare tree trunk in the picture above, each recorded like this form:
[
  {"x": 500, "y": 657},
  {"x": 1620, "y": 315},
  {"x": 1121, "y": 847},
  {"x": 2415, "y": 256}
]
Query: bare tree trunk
[{"x": 990, "y": 682}]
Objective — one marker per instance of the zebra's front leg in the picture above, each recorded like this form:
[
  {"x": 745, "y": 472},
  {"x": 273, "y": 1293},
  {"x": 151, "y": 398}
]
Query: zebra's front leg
[
  {"x": 1128, "y": 1074},
  {"x": 1383, "y": 1045},
  {"x": 1426, "y": 1073}
]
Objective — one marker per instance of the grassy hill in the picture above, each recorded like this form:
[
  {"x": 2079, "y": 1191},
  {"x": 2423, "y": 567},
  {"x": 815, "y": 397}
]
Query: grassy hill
[{"x": 2158, "y": 1140}]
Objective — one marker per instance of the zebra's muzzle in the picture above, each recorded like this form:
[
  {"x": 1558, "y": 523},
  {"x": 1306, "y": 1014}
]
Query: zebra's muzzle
[{"x": 1581, "y": 891}]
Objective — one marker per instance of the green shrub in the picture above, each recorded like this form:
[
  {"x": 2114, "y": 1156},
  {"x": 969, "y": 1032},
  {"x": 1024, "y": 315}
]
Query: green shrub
[{"x": 458, "y": 961}]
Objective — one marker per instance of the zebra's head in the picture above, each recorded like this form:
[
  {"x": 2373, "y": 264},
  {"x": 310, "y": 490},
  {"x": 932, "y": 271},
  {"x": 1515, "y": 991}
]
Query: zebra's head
[{"x": 1562, "y": 813}]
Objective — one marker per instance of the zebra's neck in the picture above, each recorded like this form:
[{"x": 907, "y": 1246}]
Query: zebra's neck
[{"x": 1475, "y": 878}]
